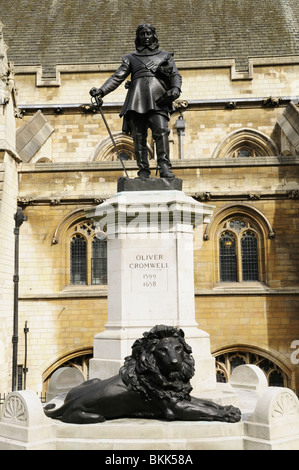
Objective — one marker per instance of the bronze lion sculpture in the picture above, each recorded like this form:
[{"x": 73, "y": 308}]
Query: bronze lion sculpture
[{"x": 154, "y": 382}]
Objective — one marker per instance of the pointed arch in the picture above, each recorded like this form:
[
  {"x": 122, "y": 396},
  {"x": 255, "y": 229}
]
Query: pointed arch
[
  {"x": 39, "y": 159},
  {"x": 76, "y": 358},
  {"x": 105, "y": 150},
  {"x": 76, "y": 215},
  {"x": 252, "y": 141},
  {"x": 243, "y": 209},
  {"x": 252, "y": 354}
]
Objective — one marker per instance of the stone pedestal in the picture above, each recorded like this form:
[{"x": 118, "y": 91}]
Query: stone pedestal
[
  {"x": 150, "y": 276},
  {"x": 23, "y": 424}
]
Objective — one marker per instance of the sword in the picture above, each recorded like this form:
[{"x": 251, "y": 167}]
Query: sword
[{"x": 95, "y": 101}]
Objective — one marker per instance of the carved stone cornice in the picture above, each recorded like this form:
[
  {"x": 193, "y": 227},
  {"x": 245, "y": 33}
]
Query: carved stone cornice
[
  {"x": 293, "y": 194},
  {"x": 243, "y": 196},
  {"x": 254, "y": 196},
  {"x": 272, "y": 102},
  {"x": 24, "y": 201},
  {"x": 206, "y": 196}
]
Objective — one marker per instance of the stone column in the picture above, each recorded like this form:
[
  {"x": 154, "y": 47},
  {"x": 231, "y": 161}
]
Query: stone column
[{"x": 150, "y": 276}]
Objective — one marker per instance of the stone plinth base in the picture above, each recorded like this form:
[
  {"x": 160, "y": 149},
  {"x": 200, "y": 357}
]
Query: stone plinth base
[
  {"x": 142, "y": 434},
  {"x": 149, "y": 184},
  {"x": 270, "y": 420}
]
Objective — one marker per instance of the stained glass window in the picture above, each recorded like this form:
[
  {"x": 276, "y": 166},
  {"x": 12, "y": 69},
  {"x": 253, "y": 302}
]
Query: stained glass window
[
  {"x": 249, "y": 255},
  {"x": 239, "y": 251},
  {"x": 244, "y": 153},
  {"x": 228, "y": 259},
  {"x": 276, "y": 379},
  {"x": 78, "y": 259},
  {"x": 99, "y": 261}
]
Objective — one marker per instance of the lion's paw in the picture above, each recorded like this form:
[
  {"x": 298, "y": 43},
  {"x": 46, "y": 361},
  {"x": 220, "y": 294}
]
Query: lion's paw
[{"x": 231, "y": 414}]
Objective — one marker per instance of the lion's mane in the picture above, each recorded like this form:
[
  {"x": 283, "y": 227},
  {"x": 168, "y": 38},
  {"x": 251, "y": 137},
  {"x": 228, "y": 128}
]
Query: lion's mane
[{"x": 141, "y": 373}]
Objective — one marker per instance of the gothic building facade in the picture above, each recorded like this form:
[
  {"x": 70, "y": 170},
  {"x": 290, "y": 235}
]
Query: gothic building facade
[{"x": 234, "y": 142}]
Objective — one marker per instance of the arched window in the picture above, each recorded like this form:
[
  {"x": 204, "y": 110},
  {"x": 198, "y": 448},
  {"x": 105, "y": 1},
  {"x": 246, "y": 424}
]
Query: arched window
[
  {"x": 105, "y": 150},
  {"x": 88, "y": 255},
  {"x": 78, "y": 359},
  {"x": 227, "y": 361},
  {"x": 239, "y": 250},
  {"x": 240, "y": 236},
  {"x": 245, "y": 143}
]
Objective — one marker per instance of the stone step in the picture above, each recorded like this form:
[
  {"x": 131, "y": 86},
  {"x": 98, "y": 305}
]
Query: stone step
[{"x": 145, "y": 434}]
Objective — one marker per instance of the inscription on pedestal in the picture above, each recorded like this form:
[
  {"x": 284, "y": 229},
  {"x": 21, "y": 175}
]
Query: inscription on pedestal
[{"x": 149, "y": 272}]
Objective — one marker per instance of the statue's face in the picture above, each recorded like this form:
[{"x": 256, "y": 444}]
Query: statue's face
[
  {"x": 146, "y": 37},
  {"x": 169, "y": 354}
]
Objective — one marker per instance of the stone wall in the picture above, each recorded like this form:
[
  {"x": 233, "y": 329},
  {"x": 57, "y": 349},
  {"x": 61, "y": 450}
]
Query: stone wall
[
  {"x": 261, "y": 314},
  {"x": 67, "y": 175},
  {"x": 208, "y": 120}
]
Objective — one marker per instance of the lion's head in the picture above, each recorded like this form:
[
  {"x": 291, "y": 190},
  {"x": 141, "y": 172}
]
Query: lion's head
[{"x": 161, "y": 364}]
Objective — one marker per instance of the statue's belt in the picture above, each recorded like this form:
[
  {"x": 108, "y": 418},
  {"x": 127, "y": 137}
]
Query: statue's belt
[{"x": 142, "y": 74}]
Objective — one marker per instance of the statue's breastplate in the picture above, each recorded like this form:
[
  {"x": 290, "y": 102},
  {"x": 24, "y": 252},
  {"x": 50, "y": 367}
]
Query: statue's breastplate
[{"x": 145, "y": 65}]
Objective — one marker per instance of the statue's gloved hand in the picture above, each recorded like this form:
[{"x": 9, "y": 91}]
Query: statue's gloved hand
[
  {"x": 168, "y": 97},
  {"x": 95, "y": 92},
  {"x": 174, "y": 93}
]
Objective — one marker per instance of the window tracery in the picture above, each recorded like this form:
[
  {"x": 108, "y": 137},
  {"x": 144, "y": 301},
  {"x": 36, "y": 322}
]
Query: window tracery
[
  {"x": 246, "y": 143},
  {"x": 228, "y": 361}
]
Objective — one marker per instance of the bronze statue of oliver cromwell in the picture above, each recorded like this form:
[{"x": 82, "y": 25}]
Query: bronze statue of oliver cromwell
[{"x": 155, "y": 84}]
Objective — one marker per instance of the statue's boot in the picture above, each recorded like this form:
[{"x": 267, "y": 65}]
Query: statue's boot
[
  {"x": 162, "y": 150},
  {"x": 141, "y": 155}
]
